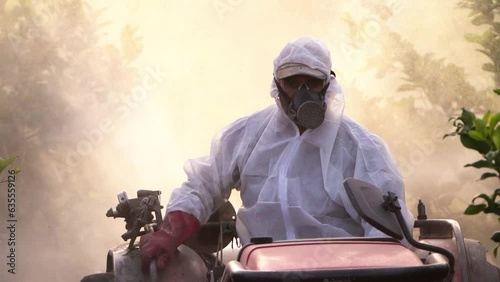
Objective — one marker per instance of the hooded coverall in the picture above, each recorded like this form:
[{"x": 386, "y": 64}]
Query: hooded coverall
[{"x": 291, "y": 184}]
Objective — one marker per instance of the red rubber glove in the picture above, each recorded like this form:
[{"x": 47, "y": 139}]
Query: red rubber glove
[{"x": 177, "y": 227}]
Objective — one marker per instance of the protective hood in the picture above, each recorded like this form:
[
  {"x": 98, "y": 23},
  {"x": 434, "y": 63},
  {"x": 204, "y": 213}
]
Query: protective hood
[
  {"x": 306, "y": 51},
  {"x": 291, "y": 184}
]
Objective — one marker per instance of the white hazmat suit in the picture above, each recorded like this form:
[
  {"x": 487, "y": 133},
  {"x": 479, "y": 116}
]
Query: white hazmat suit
[{"x": 291, "y": 184}]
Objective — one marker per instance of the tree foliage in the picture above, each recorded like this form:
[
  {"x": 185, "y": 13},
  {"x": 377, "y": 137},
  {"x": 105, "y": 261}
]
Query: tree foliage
[
  {"x": 485, "y": 13},
  {"x": 432, "y": 89},
  {"x": 56, "y": 68},
  {"x": 483, "y": 136},
  {"x": 441, "y": 85},
  {"x": 59, "y": 73}
]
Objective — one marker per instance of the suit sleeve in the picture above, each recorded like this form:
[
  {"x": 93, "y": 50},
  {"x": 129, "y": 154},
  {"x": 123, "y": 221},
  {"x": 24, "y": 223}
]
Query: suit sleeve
[{"x": 210, "y": 179}]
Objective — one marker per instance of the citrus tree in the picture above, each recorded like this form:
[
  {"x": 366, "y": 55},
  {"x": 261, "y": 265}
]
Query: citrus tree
[
  {"x": 430, "y": 90},
  {"x": 482, "y": 134}
]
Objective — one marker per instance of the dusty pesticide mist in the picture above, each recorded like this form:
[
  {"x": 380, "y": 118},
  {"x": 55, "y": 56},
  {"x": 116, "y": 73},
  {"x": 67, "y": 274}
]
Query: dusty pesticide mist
[{"x": 98, "y": 98}]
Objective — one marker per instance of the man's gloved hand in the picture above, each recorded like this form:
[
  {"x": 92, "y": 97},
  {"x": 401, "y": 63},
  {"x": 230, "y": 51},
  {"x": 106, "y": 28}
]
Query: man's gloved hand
[{"x": 177, "y": 227}]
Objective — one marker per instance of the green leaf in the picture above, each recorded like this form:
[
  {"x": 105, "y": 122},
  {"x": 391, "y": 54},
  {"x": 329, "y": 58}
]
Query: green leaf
[
  {"x": 489, "y": 67},
  {"x": 474, "y": 209},
  {"x": 496, "y": 27},
  {"x": 496, "y": 193},
  {"x": 496, "y": 237},
  {"x": 486, "y": 117},
  {"x": 494, "y": 119},
  {"x": 485, "y": 52},
  {"x": 459, "y": 124},
  {"x": 479, "y": 164},
  {"x": 488, "y": 175},
  {"x": 495, "y": 137},
  {"x": 479, "y": 20},
  {"x": 477, "y": 135},
  {"x": 131, "y": 43},
  {"x": 481, "y": 127},
  {"x": 491, "y": 157},
  {"x": 468, "y": 142},
  {"x": 480, "y": 146},
  {"x": 406, "y": 87},
  {"x": 497, "y": 162},
  {"x": 497, "y": 91},
  {"x": 484, "y": 197},
  {"x": 449, "y": 134},
  {"x": 17, "y": 170},
  {"x": 474, "y": 38},
  {"x": 468, "y": 117},
  {"x": 472, "y": 13},
  {"x": 5, "y": 163},
  {"x": 492, "y": 209}
]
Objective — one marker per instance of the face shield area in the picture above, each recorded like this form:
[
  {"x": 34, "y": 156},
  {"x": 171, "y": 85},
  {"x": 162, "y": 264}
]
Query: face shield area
[{"x": 307, "y": 107}]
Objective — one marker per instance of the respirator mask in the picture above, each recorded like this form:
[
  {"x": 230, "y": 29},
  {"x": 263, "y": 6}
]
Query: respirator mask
[{"x": 307, "y": 108}]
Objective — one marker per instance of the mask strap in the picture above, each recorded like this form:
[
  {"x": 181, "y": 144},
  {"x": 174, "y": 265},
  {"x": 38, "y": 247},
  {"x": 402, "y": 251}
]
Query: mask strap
[
  {"x": 323, "y": 92},
  {"x": 281, "y": 92}
]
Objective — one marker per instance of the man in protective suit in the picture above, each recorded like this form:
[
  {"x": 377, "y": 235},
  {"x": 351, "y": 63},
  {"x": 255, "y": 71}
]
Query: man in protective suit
[{"x": 289, "y": 162}]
